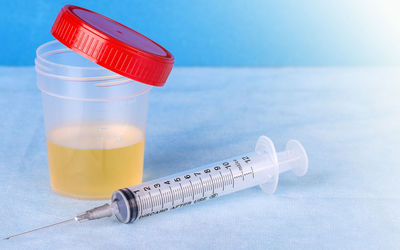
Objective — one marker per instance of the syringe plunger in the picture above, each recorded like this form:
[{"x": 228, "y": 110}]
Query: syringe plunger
[{"x": 293, "y": 158}]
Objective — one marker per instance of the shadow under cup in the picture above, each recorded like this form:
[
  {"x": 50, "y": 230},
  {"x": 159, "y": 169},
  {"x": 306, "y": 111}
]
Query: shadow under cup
[{"x": 95, "y": 123}]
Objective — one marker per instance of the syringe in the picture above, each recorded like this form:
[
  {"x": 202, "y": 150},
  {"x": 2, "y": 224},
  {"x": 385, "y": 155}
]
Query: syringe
[{"x": 261, "y": 167}]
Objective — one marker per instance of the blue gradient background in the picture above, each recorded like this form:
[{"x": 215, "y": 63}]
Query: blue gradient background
[
  {"x": 348, "y": 119},
  {"x": 229, "y": 33}
]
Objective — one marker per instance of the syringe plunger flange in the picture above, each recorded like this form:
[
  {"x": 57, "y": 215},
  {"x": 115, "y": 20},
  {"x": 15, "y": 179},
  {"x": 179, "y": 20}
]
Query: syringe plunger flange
[{"x": 293, "y": 158}]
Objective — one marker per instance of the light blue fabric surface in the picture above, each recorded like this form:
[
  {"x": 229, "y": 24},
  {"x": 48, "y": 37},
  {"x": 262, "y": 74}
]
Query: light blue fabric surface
[{"x": 347, "y": 118}]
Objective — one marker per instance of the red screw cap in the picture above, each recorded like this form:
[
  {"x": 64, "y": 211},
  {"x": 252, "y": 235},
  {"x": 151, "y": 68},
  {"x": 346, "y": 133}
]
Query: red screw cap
[{"x": 112, "y": 45}]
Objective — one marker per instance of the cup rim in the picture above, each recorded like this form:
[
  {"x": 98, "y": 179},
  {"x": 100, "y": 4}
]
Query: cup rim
[
  {"x": 44, "y": 66},
  {"x": 39, "y": 56}
]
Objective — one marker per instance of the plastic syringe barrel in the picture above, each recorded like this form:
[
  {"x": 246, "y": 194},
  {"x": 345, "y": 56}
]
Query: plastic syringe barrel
[{"x": 261, "y": 167}]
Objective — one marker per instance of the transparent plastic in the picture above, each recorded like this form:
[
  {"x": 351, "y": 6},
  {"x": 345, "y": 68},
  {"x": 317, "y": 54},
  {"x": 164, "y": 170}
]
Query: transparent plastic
[
  {"x": 260, "y": 167},
  {"x": 95, "y": 122}
]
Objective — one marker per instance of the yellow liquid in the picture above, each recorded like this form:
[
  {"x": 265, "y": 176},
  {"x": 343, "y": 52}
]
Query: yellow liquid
[{"x": 90, "y": 161}]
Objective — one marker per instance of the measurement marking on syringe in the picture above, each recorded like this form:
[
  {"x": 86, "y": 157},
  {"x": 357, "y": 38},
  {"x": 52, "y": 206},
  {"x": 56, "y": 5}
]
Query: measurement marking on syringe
[
  {"x": 172, "y": 196},
  {"x": 202, "y": 185},
  {"x": 252, "y": 171},
  {"x": 241, "y": 170},
  {"x": 212, "y": 183},
  {"x": 141, "y": 204},
  {"x": 151, "y": 201},
  {"x": 233, "y": 179},
  {"x": 162, "y": 199},
  {"x": 192, "y": 189},
  {"x": 183, "y": 196},
  {"x": 237, "y": 163},
  {"x": 223, "y": 181}
]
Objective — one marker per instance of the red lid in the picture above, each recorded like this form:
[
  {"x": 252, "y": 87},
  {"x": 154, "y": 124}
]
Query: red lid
[{"x": 112, "y": 45}]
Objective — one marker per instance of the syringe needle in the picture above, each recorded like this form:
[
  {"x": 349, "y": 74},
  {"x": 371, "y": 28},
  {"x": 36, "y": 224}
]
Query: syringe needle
[
  {"x": 37, "y": 229},
  {"x": 92, "y": 214}
]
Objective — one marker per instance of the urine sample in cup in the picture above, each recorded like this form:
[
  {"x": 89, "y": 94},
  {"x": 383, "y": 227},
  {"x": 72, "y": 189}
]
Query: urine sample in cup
[
  {"x": 94, "y": 158},
  {"x": 95, "y": 81}
]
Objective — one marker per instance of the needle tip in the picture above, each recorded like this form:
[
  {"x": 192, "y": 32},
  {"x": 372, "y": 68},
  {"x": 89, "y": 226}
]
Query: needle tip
[{"x": 37, "y": 229}]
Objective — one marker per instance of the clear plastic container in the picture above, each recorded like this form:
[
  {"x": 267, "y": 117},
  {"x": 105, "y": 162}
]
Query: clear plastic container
[{"x": 95, "y": 122}]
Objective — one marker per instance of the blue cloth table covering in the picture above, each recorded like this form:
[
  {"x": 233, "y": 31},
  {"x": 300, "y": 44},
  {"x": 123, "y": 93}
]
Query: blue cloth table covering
[{"x": 347, "y": 118}]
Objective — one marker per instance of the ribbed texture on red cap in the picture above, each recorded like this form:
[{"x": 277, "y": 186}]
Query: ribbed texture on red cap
[{"x": 110, "y": 52}]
